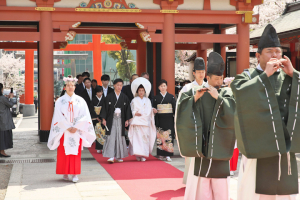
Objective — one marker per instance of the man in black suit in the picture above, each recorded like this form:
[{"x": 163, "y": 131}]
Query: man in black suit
[
  {"x": 105, "y": 81},
  {"x": 94, "y": 84},
  {"x": 127, "y": 88},
  {"x": 87, "y": 94},
  {"x": 80, "y": 87}
]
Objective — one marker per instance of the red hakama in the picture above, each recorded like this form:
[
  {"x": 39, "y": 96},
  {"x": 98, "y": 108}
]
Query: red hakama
[
  {"x": 68, "y": 164},
  {"x": 234, "y": 160}
]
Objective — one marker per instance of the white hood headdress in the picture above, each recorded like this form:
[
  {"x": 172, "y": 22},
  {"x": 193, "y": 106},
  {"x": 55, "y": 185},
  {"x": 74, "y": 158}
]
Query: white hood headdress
[{"x": 140, "y": 81}]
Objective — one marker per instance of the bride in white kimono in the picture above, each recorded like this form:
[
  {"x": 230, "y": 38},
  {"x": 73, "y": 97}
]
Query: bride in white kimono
[
  {"x": 71, "y": 130},
  {"x": 142, "y": 131}
]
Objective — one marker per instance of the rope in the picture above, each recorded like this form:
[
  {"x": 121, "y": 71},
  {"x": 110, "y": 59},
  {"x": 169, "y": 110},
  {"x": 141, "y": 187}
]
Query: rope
[{"x": 71, "y": 110}]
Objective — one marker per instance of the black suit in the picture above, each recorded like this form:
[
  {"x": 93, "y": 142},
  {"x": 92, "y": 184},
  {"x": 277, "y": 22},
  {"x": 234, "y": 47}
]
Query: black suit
[
  {"x": 109, "y": 90},
  {"x": 79, "y": 89},
  {"x": 151, "y": 95},
  {"x": 127, "y": 90},
  {"x": 84, "y": 94}
]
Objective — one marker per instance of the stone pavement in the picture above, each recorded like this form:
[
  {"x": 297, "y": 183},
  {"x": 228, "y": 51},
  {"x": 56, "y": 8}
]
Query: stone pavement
[{"x": 33, "y": 173}]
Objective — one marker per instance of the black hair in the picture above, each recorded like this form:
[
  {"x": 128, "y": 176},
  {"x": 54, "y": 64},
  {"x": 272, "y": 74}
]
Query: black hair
[
  {"x": 94, "y": 80},
  {"x": 86, "y": 74},
  {"x": 105, "y": 77},
  {"x": 162, "y": 81},
  {"x": 118, "y": 80},
  {"x": 98, "y": 89},
  {"x": 87, "y": 79},
  {"x": 140, "y": 86},
  {"x": 144, "y": 73},
  {"x": 133, "y": 76},
  {"x": 79, "y": 75},
  {"x": 1, "y": 86}
]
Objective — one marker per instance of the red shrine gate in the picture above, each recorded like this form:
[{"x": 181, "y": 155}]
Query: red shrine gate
[{"x": 158, "y": 26}]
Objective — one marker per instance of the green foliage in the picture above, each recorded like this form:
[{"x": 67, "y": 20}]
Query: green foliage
[
  {"x": 58, "y": 86},
  {"x": 124, "y": 68}
]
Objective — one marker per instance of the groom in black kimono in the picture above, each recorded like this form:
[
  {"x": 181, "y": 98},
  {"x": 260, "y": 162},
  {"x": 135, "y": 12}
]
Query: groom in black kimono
[{"x": 115, "y": 114}]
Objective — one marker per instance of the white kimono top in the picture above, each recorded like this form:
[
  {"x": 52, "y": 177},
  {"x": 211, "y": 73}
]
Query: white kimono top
[{"x": 71, "y": 112}]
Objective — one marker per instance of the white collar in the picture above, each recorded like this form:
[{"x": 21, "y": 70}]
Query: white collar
[
  {"x": 104, "y": 88},
  {"x": 99, "y": 99},
  {"x": 163, "y": 95},
  {"x": 260, "y": 69},
  {"x": 117, "y": 95},
  {"x": 88, "y": 89},
  {"x": 83, "y": 84},
  {"x": 206, "y": 85},
  {"x": 69, "y": 98},
  {"x": 196, "y": 83}
]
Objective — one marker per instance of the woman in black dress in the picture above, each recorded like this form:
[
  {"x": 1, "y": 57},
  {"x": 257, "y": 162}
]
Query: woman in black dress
[
  {"x": 97, "y": 103},
  {"x": 164, "y": 105}
]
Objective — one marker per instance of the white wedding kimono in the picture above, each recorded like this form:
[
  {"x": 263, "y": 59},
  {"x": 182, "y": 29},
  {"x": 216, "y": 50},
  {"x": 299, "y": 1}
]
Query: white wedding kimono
[
  {"x": 142, "y": 131},
  {"x": 71, "y": 112}
]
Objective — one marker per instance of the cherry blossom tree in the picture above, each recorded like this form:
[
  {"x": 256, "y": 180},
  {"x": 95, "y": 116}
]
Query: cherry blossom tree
[
  {"x": 181, "y": 72},
  {"x": 181, "y": 68},
  {"x": 269, "y": 11},
  {"x": 12, "y": 77}
]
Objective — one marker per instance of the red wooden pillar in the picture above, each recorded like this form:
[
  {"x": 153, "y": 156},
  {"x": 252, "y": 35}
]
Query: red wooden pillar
[
  {"x": 242, "y": 51},
  {"x": 97, "y": 58},
  {"x": 168, "y": 52},
  {"x": 141, "y": 56},
  {"x": 293, "y": 55},
  {"x": 29, "y": 76},
  {"x": 46, "y": 94},
  {"x": 223, "y": 52}
]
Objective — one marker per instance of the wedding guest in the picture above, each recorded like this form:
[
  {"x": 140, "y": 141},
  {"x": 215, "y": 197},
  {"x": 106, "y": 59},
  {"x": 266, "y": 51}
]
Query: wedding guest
[
  {"x": 97, "y": 104},
  {"x": 105, "y": 81},
  {"x": 164, "y": 105}
]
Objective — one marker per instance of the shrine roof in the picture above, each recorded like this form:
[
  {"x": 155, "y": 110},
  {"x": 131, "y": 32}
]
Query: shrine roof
[
  {"x": 287, "y": 25},
  {"x": 126, "y": 4}
]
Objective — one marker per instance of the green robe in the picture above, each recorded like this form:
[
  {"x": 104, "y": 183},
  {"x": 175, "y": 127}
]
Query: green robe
[
  {"x": 205, "y": 130},
  {"x": 266, "y": 128}
]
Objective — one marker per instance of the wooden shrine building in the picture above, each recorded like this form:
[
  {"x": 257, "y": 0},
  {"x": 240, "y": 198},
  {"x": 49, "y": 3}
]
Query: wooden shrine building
[{"x": 159, "y": 26}]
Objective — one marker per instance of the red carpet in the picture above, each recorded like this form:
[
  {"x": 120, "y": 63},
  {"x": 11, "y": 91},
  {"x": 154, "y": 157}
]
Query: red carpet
[{"x": 153, "y": 179}]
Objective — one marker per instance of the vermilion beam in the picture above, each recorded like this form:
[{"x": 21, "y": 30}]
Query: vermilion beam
[
  {"x": 20, "y": 36},
  {"x": 207, "y": 38}
]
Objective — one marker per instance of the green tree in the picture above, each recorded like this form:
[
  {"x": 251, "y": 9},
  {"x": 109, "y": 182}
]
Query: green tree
[
  {"x": 124, "y": 68},
  {"x": 58, "y": 86}
]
